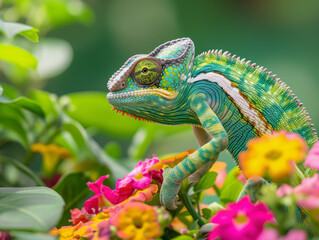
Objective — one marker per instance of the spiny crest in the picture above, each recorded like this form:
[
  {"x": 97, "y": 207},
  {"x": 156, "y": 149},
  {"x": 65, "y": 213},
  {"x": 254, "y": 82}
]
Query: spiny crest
[{"x": 260, "y": 69}]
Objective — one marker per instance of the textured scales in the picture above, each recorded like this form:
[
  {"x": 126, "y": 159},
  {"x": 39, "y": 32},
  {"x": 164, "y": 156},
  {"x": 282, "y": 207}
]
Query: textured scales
[{"x": 227, "y": 100}]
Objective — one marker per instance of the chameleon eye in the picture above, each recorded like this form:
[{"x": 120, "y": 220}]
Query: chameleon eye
[{"x": 146, "y": 72}]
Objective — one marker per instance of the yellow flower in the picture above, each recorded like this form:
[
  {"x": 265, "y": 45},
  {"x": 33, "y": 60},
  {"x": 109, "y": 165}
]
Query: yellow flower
[
  {"x": 272, "y": 156},
  {"x": 51, "y": 154},
  {"x": 74, "y": 232},
  {"x": 136, "y": 221}
]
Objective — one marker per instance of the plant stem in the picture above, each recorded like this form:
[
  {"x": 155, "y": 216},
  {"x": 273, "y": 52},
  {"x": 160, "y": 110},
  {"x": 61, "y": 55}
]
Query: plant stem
[{"x": 183, "y": 194}]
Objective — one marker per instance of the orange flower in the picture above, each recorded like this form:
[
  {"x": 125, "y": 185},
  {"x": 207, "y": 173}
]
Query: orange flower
[
  {"x": 271, "y": 156},
  {"x": 136, "y": 221},
  {"x": 171, "y": 161}
]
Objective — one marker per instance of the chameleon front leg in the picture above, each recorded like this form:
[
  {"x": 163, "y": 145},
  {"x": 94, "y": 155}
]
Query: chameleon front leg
[
  {"x": 202, "y": 138},
  {"x": 209, "y": 152}
]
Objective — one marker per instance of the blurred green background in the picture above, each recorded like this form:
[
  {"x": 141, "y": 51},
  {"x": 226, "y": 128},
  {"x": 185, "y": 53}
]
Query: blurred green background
[{"x": 280, "y": 35}]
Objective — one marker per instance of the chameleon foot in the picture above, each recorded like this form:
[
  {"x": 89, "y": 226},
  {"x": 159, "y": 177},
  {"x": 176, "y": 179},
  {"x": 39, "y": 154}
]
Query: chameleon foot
[{"x": 169, "y": 191}]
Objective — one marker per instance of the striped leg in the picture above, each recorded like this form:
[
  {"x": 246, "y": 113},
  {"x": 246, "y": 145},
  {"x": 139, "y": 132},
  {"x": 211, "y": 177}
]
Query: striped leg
[{"x": 209, "y": 152}]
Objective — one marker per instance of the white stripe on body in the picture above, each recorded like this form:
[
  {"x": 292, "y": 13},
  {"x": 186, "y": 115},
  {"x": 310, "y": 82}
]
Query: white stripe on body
[{"x": 250, "y": 113}]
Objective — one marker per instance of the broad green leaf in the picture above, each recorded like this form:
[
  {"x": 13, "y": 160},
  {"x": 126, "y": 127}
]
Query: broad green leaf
[
  {"x": 9, "y": 91},
  {"x": 29, "y": 209},
  {"x": 10, "y": 29},
  {"x": 32, "y": 236},
  {"x": 231, "y": 192},
  {"x": 15, "y": 127},
  {"x": 207, "y": 181},
  {"x": 24, "y": 103},
  {"x": 91, "y": 109},
  {"x": 17, "y": 56},
  {"x": 72, "y": 187}
]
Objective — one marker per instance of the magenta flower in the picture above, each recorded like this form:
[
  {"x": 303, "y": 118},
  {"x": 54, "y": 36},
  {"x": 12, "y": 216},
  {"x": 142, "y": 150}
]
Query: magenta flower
[
  {"x": 94, "y": 204},
  {"x": 312, "y": 159},
  {"x": 138, "y": 179},
  {"x": 294, "y": 234},
  {"x": 242, "y": 220}
]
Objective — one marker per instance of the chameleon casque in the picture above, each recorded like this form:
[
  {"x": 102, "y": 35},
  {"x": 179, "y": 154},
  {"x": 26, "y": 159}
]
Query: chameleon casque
[{"x": 227, "y": 100}]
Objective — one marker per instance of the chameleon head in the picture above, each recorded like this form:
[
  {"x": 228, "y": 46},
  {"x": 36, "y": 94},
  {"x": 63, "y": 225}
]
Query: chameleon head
[{"x": 146, "y": 84}]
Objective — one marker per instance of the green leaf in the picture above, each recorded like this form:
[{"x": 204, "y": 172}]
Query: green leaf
[
  {"x": 29, "y": 209},
  {"x": 231, "y": 187},
  {"x": 24, "y": 103},
  {"x": 17, "y": 56},
  {"x": 32, "y": 236},
  {"x": 183, "y": 237},
  {"x": 10, "y": 29},
  {"x": 47, "y": 101},
  {"x": 141, "y": 141},
  {"x": 9, "y": 91},
  {"x": 231, "y": 178},
  {"x": 207, "y": 213},
  {"x": 22, "y": 168},
  {"x": 84, "y": 141},
  {"x": 15, "y": 126},
  {"x": 169, "y": 234},
  {"x": 72, "y": 187},
  {"x": 207, "y": 181},
  {"x": 231, "y": 192}
]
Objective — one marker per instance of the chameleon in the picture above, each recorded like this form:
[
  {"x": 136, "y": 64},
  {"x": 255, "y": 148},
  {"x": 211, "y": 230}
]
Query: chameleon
[{"x": 226, "y": 99}]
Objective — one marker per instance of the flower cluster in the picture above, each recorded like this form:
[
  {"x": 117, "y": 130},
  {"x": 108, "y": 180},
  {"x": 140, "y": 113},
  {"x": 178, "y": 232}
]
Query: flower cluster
[
  {"x": 132, "y": 211},
  {"x": 120, "y": 212}
]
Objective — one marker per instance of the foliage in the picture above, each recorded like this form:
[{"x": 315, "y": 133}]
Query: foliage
[{"x": 52, "y": 155}]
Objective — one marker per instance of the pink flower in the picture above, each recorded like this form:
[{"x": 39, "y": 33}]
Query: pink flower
[
  {"x": 272, "y": 234},
  {"x": 140, "y": 178},
  {"x": 94, "y": 204},
  {"x": 284, "y": 190},
  {"x": 312, "y": 159},
  {"x": 242, "y": 220},
  {"x": 307, "y": 192}
]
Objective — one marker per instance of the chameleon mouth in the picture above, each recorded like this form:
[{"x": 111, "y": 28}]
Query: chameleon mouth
[{"x": 158, "y": 92}]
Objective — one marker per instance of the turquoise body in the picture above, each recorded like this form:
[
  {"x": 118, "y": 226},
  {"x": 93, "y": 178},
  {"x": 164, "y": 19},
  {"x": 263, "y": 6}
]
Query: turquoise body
[{"x": 227, "y": 100}]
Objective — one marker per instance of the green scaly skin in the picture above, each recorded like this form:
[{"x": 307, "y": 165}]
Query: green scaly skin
[{"x": 227, "y": 100}]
